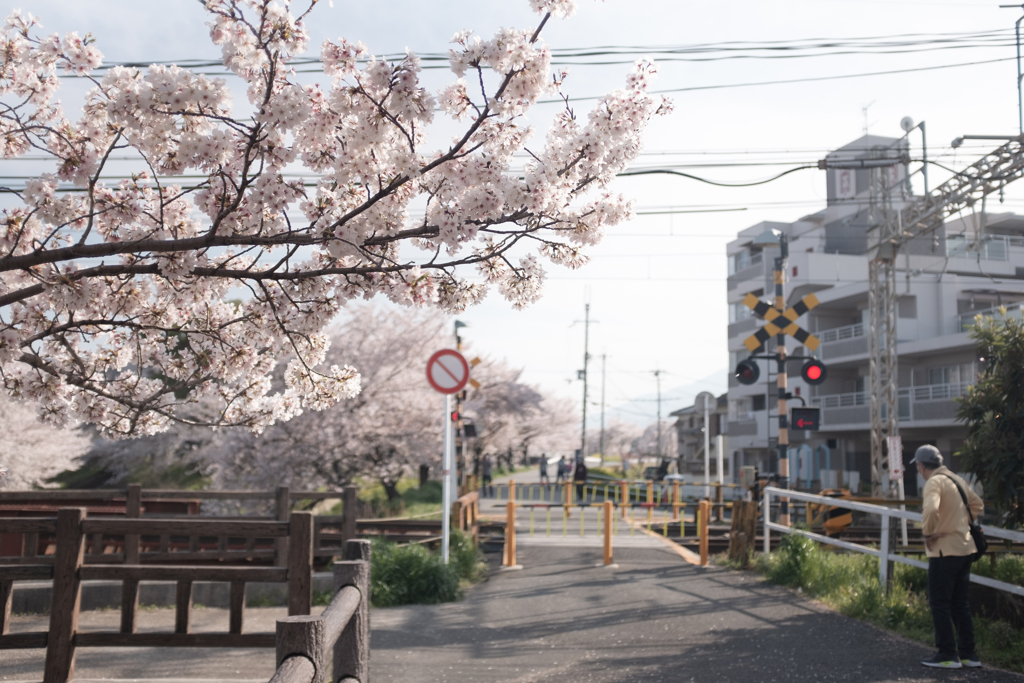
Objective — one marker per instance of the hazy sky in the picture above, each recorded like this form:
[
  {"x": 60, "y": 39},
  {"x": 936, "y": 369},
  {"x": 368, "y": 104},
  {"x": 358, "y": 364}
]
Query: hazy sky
[{"x": 657, "y": 285}]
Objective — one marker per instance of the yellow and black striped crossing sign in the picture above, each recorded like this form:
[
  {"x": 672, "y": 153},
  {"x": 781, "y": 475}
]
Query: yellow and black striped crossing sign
[{"x": 783, "y": 322}]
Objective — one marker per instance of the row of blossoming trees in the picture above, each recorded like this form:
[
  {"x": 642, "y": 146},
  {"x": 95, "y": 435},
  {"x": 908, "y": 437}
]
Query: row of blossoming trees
[{"x": 196, "y": 285}]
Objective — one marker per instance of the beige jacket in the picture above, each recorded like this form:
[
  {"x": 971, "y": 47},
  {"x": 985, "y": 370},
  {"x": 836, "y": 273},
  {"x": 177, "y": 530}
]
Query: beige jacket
[{"x": 944, "y": 513}]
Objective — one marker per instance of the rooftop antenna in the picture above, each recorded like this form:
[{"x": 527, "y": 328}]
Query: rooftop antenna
[{"x": 864, "y": 110}]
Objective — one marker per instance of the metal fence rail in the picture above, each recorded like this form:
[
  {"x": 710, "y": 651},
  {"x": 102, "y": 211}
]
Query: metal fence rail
[{"x": 882, "y": 552}]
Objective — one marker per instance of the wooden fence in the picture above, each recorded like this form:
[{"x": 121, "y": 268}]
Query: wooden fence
[
  {"x": 330, "y": 532},
  {"x": 68, "y": 569}
]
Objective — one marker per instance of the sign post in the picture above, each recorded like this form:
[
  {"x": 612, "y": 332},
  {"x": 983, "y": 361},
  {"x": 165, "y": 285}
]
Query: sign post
[
  {"x": 447, "y": 373},
  {"x": 895, "y": 445},
  {"x": 705, "y": 401}
]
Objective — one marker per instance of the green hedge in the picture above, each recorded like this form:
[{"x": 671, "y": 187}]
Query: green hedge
[
  {"x": 412, "y": 574},
  {"x": 849, "y": 584}
]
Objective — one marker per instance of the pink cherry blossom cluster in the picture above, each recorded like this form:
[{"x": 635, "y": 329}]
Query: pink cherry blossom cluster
[{"x": 129, "y": 298}]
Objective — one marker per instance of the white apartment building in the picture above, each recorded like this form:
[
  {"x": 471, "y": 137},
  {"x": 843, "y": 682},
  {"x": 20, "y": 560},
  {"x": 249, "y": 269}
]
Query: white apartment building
[{"x": 972, "y": 265}]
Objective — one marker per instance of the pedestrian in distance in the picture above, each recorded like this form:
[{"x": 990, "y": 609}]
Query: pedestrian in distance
[
  {"x": 948, "y": 510},
  {"x": 560, "y": 472},
  {"x": 579, "y": 476},
  {"x": 485, "y": 471},
  {"x": 544, "y": 479}
]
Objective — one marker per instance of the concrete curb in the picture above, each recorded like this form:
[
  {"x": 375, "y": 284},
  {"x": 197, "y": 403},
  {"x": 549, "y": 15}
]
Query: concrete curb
[{"x": 33, "y": 597}]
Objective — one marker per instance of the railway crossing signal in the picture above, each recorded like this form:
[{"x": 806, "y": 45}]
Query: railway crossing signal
[
  {"x": 806, "y": 418},
  {"x": 783, "y": 322},
  {"x": 814, "y": 372},
  {"x": 747, "y": 372}
]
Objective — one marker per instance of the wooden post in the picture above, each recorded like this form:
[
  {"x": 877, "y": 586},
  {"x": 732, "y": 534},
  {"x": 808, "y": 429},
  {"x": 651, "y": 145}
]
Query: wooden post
[
  {"x": 6, "y": 601},
  {"x": 352, "y": 651},
  {"x": 67, "y": 596},
  {"x": 457, "y": 515},
  {"x": 607, "y": 532},
  {"x": 300, "y": 563},
  {"x": 349, "y": 509},
  {"x": 702, "y": 530},
  {"x": 130, "y": 587},
  {"x": 510, "y": 535},
  {"x": 282, "y": 508},
  {"x": 720, "y": 499},
  {"x": 237, "y": 607},
  {"x": 302, "y": 636},
  {"x": 183, "y": 607},
  {"x": 625, "y": 498},
  {"x": 512, "y": 490}
]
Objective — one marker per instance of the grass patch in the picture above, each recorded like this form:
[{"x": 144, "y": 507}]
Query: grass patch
[
  {"x": 413, "y": 499},
  {"x": 849, "y": 584},
  {"x": 412, "y": 574}
]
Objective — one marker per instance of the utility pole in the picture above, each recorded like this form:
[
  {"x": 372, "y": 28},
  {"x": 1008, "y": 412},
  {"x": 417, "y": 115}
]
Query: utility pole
[
  {"x": 460, "y": 452},
  {"x": 586, "y": 362},
  {"x": 657, "y": 377},
  {"x": 604, "y": 357}
]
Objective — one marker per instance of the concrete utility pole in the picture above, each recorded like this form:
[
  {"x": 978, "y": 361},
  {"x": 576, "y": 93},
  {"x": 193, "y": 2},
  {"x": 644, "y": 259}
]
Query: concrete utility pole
[
  {"x": 604, "y": 358},
  {"x": 657, "y": 377},
  {"x": 459, "y": 443},
  {"x": 586, "y": 362}
]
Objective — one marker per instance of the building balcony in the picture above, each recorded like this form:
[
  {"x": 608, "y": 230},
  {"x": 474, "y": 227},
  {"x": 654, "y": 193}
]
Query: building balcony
[
  {"x": 918, "y": 403},
  {"x": 842, "y": 341},
  {"x": 1012, "y": 311}
]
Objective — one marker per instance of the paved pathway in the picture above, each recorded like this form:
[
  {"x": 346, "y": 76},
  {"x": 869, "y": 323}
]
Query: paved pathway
[{"x": 562, "y": 619}]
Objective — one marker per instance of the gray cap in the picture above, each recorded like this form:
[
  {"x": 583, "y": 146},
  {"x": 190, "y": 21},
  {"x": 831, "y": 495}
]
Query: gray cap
[{"x": 929, "y": 456}]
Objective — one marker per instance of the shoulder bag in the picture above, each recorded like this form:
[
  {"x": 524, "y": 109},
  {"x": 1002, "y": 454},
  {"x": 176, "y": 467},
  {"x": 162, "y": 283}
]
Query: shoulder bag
[{"x": 980, "y": 542}]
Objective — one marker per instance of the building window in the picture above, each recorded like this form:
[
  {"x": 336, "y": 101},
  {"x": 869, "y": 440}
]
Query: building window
[
  {"x": 907, "y": 307},
  {"x": 740, "y": 409},
  {"x": 952, "y": 374},
  {"x": 739, "y": 312},
  {"x": 757, "y": 402},
  {"x": 743, "y": 260}
]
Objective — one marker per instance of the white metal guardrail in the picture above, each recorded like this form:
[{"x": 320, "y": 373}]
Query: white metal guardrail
[{"x": 882, "y": 551}]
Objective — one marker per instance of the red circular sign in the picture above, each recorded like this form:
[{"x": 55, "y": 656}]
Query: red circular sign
[
  {"x": 814, "y": 372},
  {"x": 447, "y": 371}
]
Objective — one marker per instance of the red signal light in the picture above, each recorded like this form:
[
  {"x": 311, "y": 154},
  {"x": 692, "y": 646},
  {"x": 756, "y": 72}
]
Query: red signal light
[
  {"x": 814, "y": 372},
  {"x": 455, "y": 416}
]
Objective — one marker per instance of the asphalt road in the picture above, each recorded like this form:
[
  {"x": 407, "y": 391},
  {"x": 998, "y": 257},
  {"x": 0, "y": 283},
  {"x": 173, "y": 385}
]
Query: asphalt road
[{"x": 562, "y": 619}]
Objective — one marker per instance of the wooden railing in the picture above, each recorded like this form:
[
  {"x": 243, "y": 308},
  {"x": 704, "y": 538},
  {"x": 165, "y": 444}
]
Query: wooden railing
[
  {"x": 68, "y": 569},
  {"x": 466, "y": 515},
  {"x": 339, "y": 639}
]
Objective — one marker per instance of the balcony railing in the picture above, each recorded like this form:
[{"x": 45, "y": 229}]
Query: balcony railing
[
  {"x": 840, "y": 333},
  {"x": 991, "y": 247},
  {"x": 1012, "y": 311},
  {"x": 907, "y": 398}
]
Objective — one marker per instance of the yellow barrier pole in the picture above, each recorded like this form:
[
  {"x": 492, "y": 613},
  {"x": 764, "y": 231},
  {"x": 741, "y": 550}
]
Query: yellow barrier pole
[
  {"x": 565, "y": 521},
  {"x": 606, "y": 492},
  {"x": 664, "y": 527},
  {"x": 632, "y": 520},
  {"x": 624, "y": 498},
  {"x": 675, "y": 500},
  {"x": 531, "y": 521},
  {"x": 607, "y": 507},
  {"x": 510, "y": 535},
  {"x": 583, "y": 513},
  {"x": 705, "y": 513},
  {"x": 650, "y": 491},
  {"x": 650, "y": 517}
]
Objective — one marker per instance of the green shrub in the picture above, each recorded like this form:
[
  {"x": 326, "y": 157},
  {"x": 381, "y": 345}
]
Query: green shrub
[
  {"x": 849, "y": 584},
  {"x": 1009, "y": 568},
  {"x": 412, "y": 574}
]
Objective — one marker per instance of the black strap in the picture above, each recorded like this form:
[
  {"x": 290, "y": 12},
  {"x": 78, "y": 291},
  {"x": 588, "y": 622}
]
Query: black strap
[{"x": 963, "y": 496}]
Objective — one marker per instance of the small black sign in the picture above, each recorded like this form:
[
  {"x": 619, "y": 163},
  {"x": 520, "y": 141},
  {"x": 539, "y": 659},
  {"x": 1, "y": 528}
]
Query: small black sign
[{"x": 805, "y": 418}]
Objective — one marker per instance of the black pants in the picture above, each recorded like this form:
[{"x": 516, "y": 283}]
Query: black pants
[
  {"x": 580, "y": 492},
  {"x": 948, "y": 579}
]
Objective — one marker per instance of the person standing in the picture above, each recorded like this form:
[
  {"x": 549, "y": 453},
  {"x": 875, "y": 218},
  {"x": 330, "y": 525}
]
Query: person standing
[
  {"x": 579, "y": 476},
  {"x": 544, "y": 479},
  {"x": 560, "y": 472},
  {"x": 949, "y": 506},
  {"x": 485, "y": 471}
]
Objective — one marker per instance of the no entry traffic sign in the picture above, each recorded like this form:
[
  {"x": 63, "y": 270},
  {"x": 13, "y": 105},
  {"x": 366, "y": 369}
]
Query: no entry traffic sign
[{"x": 447, "y": 371}]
